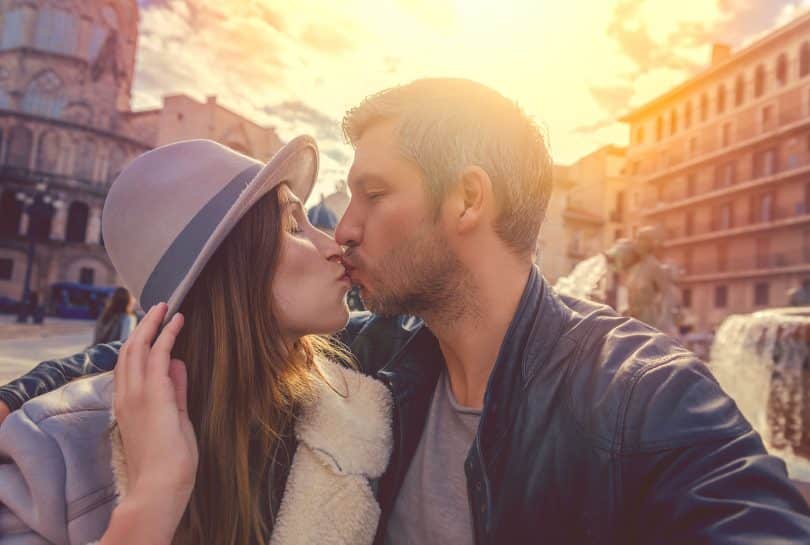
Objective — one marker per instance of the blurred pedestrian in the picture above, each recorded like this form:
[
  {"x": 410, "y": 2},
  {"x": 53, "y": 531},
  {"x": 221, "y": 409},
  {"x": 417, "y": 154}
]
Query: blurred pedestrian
[{"x": 117, "y": 320}]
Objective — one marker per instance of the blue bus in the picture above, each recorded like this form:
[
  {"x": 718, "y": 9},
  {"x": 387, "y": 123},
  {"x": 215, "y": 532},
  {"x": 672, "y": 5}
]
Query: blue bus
[{"x": 74, "y": 300}]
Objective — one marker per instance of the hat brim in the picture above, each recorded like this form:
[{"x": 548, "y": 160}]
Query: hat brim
[{"x": 296, "y": 164}]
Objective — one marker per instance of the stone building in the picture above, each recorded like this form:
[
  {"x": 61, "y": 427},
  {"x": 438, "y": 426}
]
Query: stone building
[
  {"x": 66, "y": 127},
  {"x": 587, "y": 212},
  {"x": 723, "y": 164}
]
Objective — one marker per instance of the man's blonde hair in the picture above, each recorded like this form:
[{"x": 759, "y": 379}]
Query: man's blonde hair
[{"x": 445, "y": 125}]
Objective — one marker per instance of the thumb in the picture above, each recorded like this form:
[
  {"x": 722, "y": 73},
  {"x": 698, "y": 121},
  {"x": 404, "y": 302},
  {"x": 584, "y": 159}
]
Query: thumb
[{"x": 179, "y": 377}]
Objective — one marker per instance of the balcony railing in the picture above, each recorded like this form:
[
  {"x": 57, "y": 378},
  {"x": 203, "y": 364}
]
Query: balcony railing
[
  {"x": 781, "y": 220},
  {"x": 60, "y": 181}
]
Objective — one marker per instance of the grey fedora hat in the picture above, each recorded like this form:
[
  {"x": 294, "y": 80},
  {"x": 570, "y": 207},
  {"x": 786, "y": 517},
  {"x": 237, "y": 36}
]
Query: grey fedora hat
[{"x": 170, "y": 209}]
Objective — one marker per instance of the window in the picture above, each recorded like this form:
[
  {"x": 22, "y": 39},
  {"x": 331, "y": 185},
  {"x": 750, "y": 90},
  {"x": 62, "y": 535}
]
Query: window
[
  {"x": 86, "y": 160},
  {"x": 619, "y": 206},
  {"x": 673, "y": 122},
  {"x": 13, "y": 26},
  {"x": 720, "y": 296},
  {"x": 806, "y": 246},
  {"x": 76, "y": 230},
  {"x": 726, "y": 136},
  {"x": 804, "y": 60},
  {"x": 659, "y": 128},
  {"x": 687, "y": 115},
  {"x": 766, "y": 207},
  {"x": 763, "y": 250},
  {"x": 725, "y": 175},
  {"x": 687, "y": 261},
  {"x": 20, "y": 141},
  {"x": 48, "y": 152},
  {"x": 43, "y": 96},
  {"x": 759, "y": 81},
  {"x": 56, "y": 31},
  {"x": 769, "y": 162},
  {"x": 704, "y": 107},
  {"x": 781, "y": 69},
  {"x": 87, "y": 276},
  {"x": 765, "y": 163},
  {"x": 11, "y": 211},
  {"x": 723, "y": 217},
  {"x": 689, "y": 223},
  {"x": 761, "y": 294},
  {"x": 639, "y": 135},
  {"x": 686, "y": 297},
  {"x": 807, "y": 197},
  {"x": 722, "y": 257},
  {"x": 6, "y": 268},
  {"x": 721, "y": 99},
  {"x": 691, "y": 185},
  {"x": 761, "y": 207},
  {"x": 739, "y": 91},
  {"x": 767, "y": 118}
]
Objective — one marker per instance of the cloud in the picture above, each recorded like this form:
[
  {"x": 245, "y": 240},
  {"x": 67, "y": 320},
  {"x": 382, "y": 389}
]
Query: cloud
[
  {"x": 326, "y": 38},
  {"x": 299, "y": 66}
]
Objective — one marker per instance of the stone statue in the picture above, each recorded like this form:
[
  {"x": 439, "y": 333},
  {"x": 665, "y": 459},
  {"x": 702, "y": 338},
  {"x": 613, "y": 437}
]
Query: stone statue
[
  {"x": 800, "y": 297},
  {"x": 652, "y": 293}
]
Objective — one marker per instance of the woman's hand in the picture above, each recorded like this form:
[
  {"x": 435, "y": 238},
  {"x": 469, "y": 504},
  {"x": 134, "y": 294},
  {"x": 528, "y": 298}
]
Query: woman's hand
[{"x": 157, "y": 435}]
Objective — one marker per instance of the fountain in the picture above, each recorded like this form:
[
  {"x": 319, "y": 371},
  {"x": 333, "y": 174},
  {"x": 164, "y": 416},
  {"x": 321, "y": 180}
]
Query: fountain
[
  {"x": 652, "y": 293},
  {"x": 761, "y": 360}
]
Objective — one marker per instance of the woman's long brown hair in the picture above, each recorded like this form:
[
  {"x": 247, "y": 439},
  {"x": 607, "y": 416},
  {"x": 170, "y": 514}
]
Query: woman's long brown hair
[{"x": 244, "y": 384}]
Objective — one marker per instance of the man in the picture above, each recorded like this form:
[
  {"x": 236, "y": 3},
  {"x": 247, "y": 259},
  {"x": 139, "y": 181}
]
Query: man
[{"x": 520, "y": 416}]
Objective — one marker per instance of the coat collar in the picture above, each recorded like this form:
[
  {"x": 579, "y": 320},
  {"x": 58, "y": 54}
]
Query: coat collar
[{"x": 344, "y": 439}]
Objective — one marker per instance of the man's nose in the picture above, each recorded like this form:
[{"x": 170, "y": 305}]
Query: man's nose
[{"x": 348, "y": 231}]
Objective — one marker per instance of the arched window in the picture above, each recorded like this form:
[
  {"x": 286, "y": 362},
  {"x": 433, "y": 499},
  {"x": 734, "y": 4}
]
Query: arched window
[
  {"x": 48, "y": 152},
  {"x": 116, "y": 163},
  {"x": 20, "y": 139},
  {"x": 687, "y": 115},
  {"x": 44, "y": 95},
  {"x": 10, "y": 214},
  {"x": 782, "y": 69},
  {"x": 759, "y": 81},
  {"x": 76, "y": 230},
  {"x": 56, "y": 31},
  {"x": 721, "y": 99},
  {"x": 804, "y": 60},
  {"x": 739, "y": 90},
  {"x": 85, "y": 159}
]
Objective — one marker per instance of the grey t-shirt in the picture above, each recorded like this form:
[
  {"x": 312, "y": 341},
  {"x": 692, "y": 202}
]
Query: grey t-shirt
[{"x": 432, "y": 506}]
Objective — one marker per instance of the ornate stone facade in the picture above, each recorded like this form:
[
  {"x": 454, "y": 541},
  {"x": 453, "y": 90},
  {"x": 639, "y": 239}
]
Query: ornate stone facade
[{"x": 66, "y": 71}]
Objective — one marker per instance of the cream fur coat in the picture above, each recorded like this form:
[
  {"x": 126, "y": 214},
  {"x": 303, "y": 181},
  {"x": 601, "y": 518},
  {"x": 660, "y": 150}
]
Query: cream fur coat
[{"x": 344, "y": 442}]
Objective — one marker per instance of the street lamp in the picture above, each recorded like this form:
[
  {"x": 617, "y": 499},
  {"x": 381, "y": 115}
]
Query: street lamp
[{"x": 39, "y": 205}]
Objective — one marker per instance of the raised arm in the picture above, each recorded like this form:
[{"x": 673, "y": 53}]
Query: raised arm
[{"x": 52, "y": 374}]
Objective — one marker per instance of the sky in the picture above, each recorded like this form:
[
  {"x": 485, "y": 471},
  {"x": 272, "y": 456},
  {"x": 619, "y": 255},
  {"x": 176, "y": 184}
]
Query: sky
[{"x": 575, "y": 66}]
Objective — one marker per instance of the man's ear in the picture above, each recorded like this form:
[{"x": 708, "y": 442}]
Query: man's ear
[{"x": 473, "y": 197}]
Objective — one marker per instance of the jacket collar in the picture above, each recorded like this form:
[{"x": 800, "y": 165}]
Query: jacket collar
[{"x": 344, "y": 439}]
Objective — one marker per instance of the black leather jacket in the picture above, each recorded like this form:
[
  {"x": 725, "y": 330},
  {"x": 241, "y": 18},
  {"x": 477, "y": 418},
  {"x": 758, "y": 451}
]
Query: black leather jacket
[{"x": 596, "y": 429}]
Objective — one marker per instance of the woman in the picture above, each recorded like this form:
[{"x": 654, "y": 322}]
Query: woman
[
  {"x": 117, "y": 320},
  {"x": 232, "y": 425}
]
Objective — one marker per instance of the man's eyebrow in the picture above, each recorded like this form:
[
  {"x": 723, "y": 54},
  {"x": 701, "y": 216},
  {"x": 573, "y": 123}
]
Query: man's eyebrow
[{"x": 364, "y": 180}]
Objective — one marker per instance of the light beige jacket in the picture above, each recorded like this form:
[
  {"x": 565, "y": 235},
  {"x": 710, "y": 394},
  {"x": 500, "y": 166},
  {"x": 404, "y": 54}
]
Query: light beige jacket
[{"x": 61, "y": 474}]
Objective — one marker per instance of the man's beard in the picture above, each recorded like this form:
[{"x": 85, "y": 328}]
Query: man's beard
[{"x": 420, "y": 277}]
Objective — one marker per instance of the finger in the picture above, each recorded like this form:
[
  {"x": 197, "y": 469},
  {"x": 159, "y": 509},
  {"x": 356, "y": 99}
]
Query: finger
[
  {"x": 139, "y": 346},
  {"x": 160, "y": 355},
  {"x": 179, "y": 375},
  {"x": 120, "y": 373}
]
